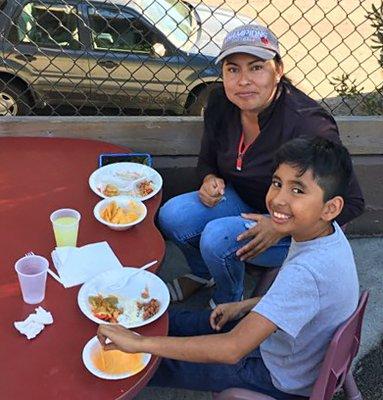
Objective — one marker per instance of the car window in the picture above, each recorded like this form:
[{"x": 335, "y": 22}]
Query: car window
[
  {"x": 119, "y": 30},
  {"x": 173, "y": 18},
  {"x": 48, "y": 26}
]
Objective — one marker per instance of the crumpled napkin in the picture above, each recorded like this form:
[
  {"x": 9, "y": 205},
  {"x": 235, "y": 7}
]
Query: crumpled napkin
[{"x": 34, "y": 323}]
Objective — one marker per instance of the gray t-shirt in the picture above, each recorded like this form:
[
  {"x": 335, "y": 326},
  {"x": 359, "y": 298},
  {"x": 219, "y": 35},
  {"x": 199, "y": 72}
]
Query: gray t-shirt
[{"x": 316, "y": 290}]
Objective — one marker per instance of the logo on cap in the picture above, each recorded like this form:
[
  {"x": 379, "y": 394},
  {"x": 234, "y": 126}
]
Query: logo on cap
[
  {"x": 265, "y": 41},
  {"x": 252, "y": 39}
]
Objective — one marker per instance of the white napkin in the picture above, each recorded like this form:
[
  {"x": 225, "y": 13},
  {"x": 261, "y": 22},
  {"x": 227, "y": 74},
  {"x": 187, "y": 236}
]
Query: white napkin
[
  {"x": 34, "y": 323},
  {"x": 76, "y": 265}
]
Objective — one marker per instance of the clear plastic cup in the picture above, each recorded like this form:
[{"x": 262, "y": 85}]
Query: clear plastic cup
[
  {"x": 32, "y": 273},
  {"x": 65, "y": 226}
]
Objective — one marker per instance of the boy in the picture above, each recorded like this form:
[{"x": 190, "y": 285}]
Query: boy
[{"x": 278, "y": 347}]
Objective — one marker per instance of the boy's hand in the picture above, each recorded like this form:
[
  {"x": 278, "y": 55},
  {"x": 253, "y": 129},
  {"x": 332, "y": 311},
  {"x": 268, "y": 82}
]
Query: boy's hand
[
  {"x": 120, "y": 338},
  {"x": 263, "y": 233},
  {"x": 211, "y": 190},
  {"x": 224, "y": 313}
]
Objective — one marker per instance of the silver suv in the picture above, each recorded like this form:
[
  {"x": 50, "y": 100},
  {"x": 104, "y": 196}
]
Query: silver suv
[{"x": 145, "y": 54}]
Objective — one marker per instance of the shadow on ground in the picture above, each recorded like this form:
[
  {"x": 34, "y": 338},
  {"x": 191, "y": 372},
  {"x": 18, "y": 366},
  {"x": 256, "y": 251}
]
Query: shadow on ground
[{"x": 368, "y": 375}]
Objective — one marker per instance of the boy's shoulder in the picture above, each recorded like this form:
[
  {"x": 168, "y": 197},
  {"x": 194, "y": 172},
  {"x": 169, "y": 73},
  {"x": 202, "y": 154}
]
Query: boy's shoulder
[
  {"x": 320, "y": 252},
  {"x": 315, "y": 274},
  {"x": 319, "y": 264}
]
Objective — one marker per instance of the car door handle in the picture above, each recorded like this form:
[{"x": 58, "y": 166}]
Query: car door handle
[
  {"x": 26, "y": 57},
  {"x": 107, "y": 64}
]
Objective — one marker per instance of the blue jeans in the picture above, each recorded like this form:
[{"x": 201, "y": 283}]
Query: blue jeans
[
  {"x": 207, "y": 238},
  {"x": 249, "y": 373}
]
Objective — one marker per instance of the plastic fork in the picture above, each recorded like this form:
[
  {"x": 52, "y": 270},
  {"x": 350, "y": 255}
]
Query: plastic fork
[
  {"x": 50, "y": 272},
  {"x": 132, "y": 184},
  {"x": 121, "y": 283}
]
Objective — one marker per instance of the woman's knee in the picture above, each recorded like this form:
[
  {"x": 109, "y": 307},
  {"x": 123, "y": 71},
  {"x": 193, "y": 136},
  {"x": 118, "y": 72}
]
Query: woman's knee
[
  {"x": 175, "y": 217},
  {"x": 218, "y": 239},
  {"x": 167, "y": 216}
]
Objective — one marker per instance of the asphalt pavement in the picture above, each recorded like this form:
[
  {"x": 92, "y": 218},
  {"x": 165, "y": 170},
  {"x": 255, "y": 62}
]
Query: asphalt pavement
[{"x": 368, "y": 366}]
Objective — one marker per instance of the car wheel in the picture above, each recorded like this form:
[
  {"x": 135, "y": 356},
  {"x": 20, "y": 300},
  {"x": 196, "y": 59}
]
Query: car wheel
[
  {"x": 199, "y": 101},
  {"x": 13, "y": 101}
]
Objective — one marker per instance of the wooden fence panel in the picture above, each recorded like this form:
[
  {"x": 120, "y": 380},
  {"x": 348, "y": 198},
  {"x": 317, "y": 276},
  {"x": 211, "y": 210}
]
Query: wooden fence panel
[{"x": 171, "y": 135}]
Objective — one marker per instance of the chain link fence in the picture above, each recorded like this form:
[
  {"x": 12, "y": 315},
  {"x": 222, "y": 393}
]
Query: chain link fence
[{"x": 140, "y": 57}]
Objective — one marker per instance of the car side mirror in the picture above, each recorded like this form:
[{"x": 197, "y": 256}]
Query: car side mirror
[{"x": 159, "y": 49}]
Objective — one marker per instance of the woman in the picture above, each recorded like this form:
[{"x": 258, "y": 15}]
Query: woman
[{"x": 224, "y": 223}]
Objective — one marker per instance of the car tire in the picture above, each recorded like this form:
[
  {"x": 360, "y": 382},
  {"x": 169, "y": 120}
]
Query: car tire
[
  {"x": 199, "y": 101},
  {"x": 13, "y": 100}
]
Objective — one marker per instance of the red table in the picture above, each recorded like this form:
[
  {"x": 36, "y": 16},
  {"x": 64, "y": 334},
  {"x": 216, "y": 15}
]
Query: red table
[{"x": 38, "y": 176}]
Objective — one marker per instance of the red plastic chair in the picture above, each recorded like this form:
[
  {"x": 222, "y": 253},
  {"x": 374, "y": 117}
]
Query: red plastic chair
[{"x": 335, "y": 372}]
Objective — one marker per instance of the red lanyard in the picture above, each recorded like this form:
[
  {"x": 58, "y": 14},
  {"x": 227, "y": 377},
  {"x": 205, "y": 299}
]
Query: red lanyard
[{"x": 241, "y": 152}]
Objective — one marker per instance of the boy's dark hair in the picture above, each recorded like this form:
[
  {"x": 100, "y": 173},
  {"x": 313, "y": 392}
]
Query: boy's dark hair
[{"x": 329, "y": 162}]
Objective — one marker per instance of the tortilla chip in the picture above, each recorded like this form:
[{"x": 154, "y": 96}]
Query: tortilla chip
[{"x": 120, "y": 215}]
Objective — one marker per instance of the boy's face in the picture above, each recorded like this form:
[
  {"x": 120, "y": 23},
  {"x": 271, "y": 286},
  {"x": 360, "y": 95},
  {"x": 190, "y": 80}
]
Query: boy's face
[{"x": 296, "y": 205}]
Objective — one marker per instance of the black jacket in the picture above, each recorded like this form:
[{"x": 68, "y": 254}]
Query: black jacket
[{"x": 291, "y": 115}]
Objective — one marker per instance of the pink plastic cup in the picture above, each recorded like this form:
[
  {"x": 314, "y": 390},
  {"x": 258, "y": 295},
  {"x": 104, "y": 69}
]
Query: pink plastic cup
[{"x": 32, "y": 273}]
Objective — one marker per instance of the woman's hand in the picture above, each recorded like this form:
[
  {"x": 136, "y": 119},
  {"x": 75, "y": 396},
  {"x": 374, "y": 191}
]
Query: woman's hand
[
  {"x": 120, "y": 338},
  {"x": 224, "y": 313},
  {"x": 262, "y": 236},
  {"x": 211, "y": 190}
]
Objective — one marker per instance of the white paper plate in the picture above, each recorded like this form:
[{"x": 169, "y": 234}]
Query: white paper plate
[
  {"x": 102, "y": 283},
  {"x": 92, "y": 346},
  {"x": 124, "y": 172}
]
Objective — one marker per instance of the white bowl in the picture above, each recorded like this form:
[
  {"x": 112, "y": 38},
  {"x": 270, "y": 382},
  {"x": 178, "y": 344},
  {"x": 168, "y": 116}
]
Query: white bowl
[
  {"x": 94, "y": 345},
  {"x": 122, "y": 201}
]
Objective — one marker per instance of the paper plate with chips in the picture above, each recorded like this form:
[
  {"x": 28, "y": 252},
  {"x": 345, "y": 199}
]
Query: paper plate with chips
[
  {"x": 120, "y": 212},
  {"x": 126, "y": 179}
]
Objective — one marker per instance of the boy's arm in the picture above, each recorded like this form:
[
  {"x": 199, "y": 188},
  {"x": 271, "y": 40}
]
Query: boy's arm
[
  {"x": 248, "y": 304},
  {"x": 226, "y": 312},
  {"x": 226, "y": 348}
]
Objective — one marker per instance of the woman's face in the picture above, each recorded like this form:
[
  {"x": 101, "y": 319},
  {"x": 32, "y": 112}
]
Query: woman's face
[{"x": 250, "y": 83}]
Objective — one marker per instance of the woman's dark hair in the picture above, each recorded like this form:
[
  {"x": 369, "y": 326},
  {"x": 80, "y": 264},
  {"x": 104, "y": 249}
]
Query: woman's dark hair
[
  {"x": 278, "y": 61},
  {"x": 329, "y": 162}
]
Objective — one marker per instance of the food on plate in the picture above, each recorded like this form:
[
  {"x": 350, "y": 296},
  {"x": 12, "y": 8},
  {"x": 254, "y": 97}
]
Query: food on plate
[
  {"x": 105, "y": 308},
  {"x": 144, "y": 188},
  {"x": 126, "y": 182},
  {"x": 122, "y": 309},
  {"x": 148, "y": 309},
  {"x": 129, "y": 179},
  {"x": 131, "y": 314},
  {"x": 145, "y": 293},
  {"x": 117, "y": 362},
  {"x": 111, "y": 190},
  {"x": 115, "y": 214}
]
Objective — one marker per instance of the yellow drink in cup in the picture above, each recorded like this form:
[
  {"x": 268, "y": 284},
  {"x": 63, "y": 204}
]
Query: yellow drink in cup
[
  {"x": 65, "y": 230},
  {"x": 65, "y": 226}
]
